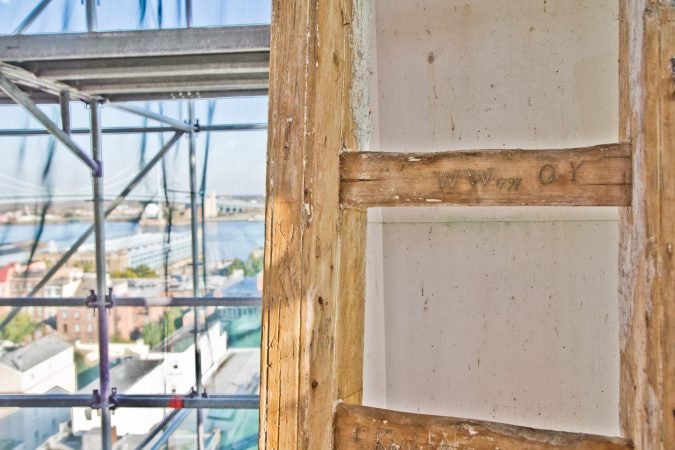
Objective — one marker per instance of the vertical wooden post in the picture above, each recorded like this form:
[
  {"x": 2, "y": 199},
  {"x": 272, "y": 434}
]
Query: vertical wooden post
[
  {"x": 647, "y": 290},
  {"x": 314, "y": 279}
]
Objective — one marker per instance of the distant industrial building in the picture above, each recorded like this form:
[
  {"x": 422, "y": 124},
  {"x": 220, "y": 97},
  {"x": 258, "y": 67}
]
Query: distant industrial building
[{"x": 149, "y": 249}]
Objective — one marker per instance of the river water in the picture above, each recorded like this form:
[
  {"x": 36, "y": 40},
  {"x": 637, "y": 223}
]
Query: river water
[{"x": 225, "y": 239}]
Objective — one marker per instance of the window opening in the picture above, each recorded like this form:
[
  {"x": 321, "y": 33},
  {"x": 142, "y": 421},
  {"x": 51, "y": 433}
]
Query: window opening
[{"x": 206, "y": 298}]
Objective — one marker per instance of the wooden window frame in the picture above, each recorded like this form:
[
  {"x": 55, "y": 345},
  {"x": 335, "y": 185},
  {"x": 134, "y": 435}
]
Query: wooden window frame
[{"x": 319, "y": 187}]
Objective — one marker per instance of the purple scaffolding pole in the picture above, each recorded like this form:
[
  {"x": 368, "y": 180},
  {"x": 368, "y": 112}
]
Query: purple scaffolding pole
[
  {"x": 101, "y": 305},
  {"x": 195, "y": 270}
]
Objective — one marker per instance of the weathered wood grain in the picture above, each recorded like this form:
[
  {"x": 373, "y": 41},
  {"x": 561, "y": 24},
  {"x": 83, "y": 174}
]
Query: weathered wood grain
[
  {"x": 314, "y": 277},
  {"x": 349, "y": 343},
  {"x": 647, "y": 282},
  {"x": 666, "y": 247},
  {"x": 365, "y": 428},
  {"x": 589, "y": 176},
  {"x": 330, "y": 120},
  {"x": 282, "y": 286}
]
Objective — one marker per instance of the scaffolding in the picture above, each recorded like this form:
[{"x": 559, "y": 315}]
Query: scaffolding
[{"x": 105, "y": 69}]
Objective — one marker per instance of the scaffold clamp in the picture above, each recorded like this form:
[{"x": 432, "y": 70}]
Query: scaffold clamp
[
  {"x": 92, "y": 299},
  {"x": 112, "y": 399}
]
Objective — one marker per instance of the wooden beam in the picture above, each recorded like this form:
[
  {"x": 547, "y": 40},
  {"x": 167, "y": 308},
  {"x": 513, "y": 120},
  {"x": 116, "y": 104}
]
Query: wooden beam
[
  {"x": 313, "y": 290},
  {"x": 365, "y": 428},
  {"x": 647, "y": 282},
  {"x": 349, "y": 343},
  {"x": 589, "y": 176}
]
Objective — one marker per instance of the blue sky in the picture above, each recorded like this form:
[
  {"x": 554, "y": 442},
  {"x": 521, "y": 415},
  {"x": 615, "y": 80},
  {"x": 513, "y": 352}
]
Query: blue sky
[
  {"x": 125, "y": 14},
  {"x": 236, "y": 160}
]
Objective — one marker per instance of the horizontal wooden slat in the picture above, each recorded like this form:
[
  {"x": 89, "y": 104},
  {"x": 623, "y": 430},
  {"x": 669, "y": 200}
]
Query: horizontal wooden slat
[
  {"x": 587, "y": 176},
  {"x": 364, "y": 428}
]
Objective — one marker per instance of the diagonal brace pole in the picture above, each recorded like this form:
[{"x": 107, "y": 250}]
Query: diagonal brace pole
[
  {"x": 30, "y": 18},
  {"x": 175, "y": 124},
  {"x": 24, "y": 100},
  {"x": 173, "y": 419},
  {"x": 88, "y": 232}
]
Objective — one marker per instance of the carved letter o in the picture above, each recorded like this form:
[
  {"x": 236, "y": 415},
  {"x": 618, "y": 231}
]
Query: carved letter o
[{"x": 547, "y": 174}]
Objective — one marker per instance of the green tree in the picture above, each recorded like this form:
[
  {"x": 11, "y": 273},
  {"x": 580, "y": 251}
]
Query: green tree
[
  {"x": 152, "y": 333},
  {"x": 237, "y": 264},
  {"x": 118, "y": 339},
  {"x": 19, "y": 328},
  {"x": 254, "y": 265},
  {"x": 141, "y": 271},
  {"x": 87, "y": 266},
  {"x": 174, "y": 318},
  {"x": 144, "y": 271},
  {"x": 80, "y": 362}
]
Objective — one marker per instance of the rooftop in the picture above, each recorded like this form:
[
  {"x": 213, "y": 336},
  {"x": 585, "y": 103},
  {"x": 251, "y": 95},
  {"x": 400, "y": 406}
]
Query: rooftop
[
  {"x": 126, "y": 374},
  {"x": 137, "y": 241},
  {"x": 5, "y": 271},
  {"x": 28, "y": 356}
]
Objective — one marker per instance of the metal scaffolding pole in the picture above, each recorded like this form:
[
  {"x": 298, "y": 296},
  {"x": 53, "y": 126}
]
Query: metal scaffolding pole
[
  {"x": 30, "y": 18},
  {"x": 148, "y": 302},
  {"x": 195, "y": 267},
  {"x": 101, "y": 288},
  {"x": 91, "y": 15},
  {"x": 129, "y": 130},
  {"x": 88, "y": 232},
  {"x": 224, "y": 401},
  {"x": 164, "y": 438},
  {"x": 173, "y": 123},
  {"x": 24, "y": 100},
  {"x": 177, "y": 415},
  {"x": 188, "y": 13},
  {"x": 46, "y": 400},
  {"x": 202, "y": 195},
  {"x": 64, "y": 100}
]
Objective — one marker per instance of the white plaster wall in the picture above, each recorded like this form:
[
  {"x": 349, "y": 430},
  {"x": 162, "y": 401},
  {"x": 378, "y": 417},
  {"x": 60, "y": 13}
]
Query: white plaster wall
[
  {"x": 505, "y": 314},
  {"x": 375, "y": 339},
  {"x": 495, "y": 73}
]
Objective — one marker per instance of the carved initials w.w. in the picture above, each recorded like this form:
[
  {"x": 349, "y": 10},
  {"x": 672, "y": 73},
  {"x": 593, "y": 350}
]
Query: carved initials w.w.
[
  {"x": 446, "y": 180},
  {"x": 482, "y": 176}
]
